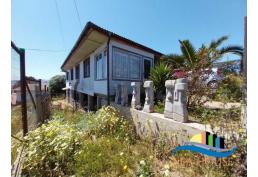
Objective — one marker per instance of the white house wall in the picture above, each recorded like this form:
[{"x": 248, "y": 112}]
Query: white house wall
[{"x": 89, "y": 85}]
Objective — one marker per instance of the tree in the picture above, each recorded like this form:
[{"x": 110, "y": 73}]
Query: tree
[
  {"x": 204, "y": 57},
  {"x": 159, "y": 74},
  {"x": 193, "y": 62},
  {"x": 56, "y": 84}
]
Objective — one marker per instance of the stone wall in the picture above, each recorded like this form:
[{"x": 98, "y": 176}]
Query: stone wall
[{"x": 156, "y": 124}]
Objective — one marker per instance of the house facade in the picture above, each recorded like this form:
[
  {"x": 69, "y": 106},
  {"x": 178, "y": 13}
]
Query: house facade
[{"x": 99, "y": 61}]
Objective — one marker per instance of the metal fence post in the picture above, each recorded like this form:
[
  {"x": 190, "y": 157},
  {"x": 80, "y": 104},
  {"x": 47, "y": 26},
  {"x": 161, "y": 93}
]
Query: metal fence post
[{"x": 23, "y": 92}]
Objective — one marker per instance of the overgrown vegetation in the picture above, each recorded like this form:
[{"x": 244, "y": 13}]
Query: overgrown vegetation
[
  {"x": 230, "y": 90},
  {"x": 105, "y": 144},
  {"x": 193, "y": 62}
]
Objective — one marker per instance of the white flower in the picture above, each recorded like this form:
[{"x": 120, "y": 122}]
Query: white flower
[
  {"x": 166, "y": 173},
  {"x": 166, "y": 166},
  {"x": 142, "y": 162}
]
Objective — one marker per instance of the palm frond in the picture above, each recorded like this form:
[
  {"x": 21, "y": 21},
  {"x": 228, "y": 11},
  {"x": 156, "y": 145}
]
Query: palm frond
[
  {"x": 188, "y": 51},
  {"x": 173, "y": 60},
  {"x": 215, "y": 43},
  {"x": 238, "y": 50}
]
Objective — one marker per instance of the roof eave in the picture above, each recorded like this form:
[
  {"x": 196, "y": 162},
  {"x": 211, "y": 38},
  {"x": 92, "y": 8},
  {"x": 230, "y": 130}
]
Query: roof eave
[{"x": 90, "y": 25}]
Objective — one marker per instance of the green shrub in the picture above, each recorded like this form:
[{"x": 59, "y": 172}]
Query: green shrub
[
  {"x": 109, "y": 122},
  {"x": 159, "y": 107},
  {"x": 159, "y": 74},
  {"x": 50, "y": 149},
  {"x": 215, "y": 116},
  {"x": 230, "y": 89},
  {"x": 56, "y": 84}
]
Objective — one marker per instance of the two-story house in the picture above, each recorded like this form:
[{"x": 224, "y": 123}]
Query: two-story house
[{"x": 99, "y": 60}]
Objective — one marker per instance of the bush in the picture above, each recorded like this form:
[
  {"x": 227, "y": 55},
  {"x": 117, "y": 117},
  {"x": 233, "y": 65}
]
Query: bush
[
  {"x": 230, "y": 89},
  {"x": 159, "y": 74},
  {"x": 56, "y": 84},
  {"x": 108, "y": 122},
  {"x": 50, "y": 149},
  {"x": 159, "y": 107}
]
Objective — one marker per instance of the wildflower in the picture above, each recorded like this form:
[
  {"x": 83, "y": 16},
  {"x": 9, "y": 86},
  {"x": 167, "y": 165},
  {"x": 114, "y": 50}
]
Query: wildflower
[
  {"x": 125, "y": 168},
  {"x": 234, "y": 156},
  {"x": 166, "y": 166},
  {"x": 121, "y": 153},
  {"x": 142, "y": 162},
  {"x": 166, "y": 172},
  {"x": 151, "y": 157},
  {"x": 241, "y": 130}
]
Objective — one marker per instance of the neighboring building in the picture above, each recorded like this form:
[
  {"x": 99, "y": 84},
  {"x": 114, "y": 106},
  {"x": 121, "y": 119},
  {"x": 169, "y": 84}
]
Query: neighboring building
[
  {"x": 16, "y": 90},
  {"x": 90, "y": 81}
]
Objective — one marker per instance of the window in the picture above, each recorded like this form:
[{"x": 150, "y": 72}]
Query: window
[
  {"x": 86, "y": 68},
  {"x": 71, "y": 74},
  {"x": 67, "y": 75},
  {"x": 77, "y": 72},
  {"x": 120, "y": 64},
  {"x": 134, "y": 67},
  {"x": 101, "y": 65},
  {"x": 126, "y": 65},
  {"x": 147, "y": 67}
]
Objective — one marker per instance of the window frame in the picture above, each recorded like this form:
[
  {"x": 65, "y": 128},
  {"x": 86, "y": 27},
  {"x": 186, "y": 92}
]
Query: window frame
[
  {"x": 67, "y": 75},
  {"x": 71, "y": 74},
  {"x": 143, "y": 68},
  {"x": 77, "y": 72},
  {"x": 129, "y": 53},
  {"x": 86, "y": 68},
  {"x": 103, "y": 65}
]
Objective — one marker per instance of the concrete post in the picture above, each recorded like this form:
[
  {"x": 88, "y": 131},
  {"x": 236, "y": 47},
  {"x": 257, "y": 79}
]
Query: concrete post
[
  {"x": 149, "y": 103},
  {"x": 118, "y": 94},
  {"x": 124, "y": 94},
  {"x": 180, "y": 112},
  {"x": 170, "y": 86},
  {"x": 136, "y": 95}
]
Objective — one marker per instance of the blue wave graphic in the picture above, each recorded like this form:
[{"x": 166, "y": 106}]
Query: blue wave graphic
[{"x": 206, "y": 150}]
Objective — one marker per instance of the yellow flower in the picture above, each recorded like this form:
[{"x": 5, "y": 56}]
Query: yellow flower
[
  {"x": 125, "y": 168},
  {"x": 234, "y": 156},
  {"x": 241, "y": 130},
  {"x": 151, "y": 157}
]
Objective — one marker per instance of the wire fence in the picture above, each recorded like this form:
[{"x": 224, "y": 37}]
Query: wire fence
[{"x": 31, "y": 101}]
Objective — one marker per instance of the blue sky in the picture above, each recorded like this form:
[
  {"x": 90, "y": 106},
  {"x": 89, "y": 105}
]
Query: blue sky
[{"x": 158, "y": 24}]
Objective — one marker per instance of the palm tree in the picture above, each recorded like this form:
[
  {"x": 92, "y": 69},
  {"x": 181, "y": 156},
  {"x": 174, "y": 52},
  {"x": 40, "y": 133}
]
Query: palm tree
[
  {"x": 159, "y": 74},
  {"x": 203, "y": 57}
]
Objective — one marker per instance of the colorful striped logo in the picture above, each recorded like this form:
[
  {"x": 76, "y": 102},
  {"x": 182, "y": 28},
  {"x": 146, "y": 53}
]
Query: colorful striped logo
[{"x": 207, "y": 144}]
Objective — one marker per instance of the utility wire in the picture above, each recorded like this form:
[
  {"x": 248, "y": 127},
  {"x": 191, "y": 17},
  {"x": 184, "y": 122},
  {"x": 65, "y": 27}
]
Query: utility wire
[
  {"x": 45, "y": 50},
  {"x": 60, "y": 24},
  {"x": 78, "y": 15}
]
